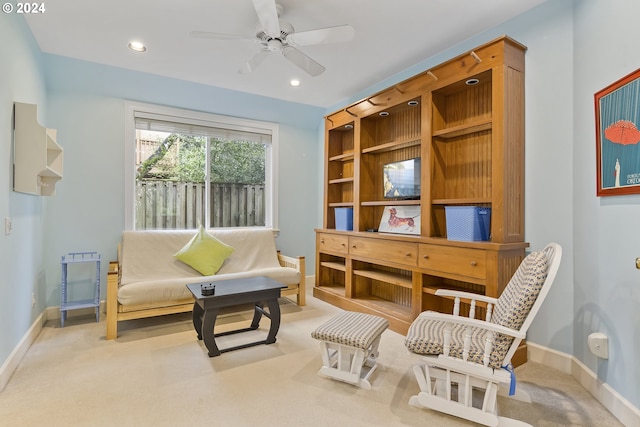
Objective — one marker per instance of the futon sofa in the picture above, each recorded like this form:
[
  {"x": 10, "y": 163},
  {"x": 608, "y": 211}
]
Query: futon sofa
[{"x": 148, "y": 280}]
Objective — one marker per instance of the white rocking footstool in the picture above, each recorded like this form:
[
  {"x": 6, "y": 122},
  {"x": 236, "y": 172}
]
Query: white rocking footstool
[{"x": 349, "y": 341}]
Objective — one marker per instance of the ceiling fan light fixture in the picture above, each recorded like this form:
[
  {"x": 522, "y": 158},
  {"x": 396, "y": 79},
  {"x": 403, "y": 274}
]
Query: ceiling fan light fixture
[
  {"x": 274, "y": 45},
  {"x": 277, "y": 36},
  {"x": 137, "y": 46}
]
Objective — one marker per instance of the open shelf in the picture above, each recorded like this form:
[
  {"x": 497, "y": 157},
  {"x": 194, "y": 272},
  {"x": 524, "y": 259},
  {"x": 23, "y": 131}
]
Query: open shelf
[
  {"x": 387, "y": 307},
  {"x": 334, "y": 265},
  {"x": 465, "y": 129},
  {"x": 339, "y": 169},
  {"x": 390, "y": 202},
  {"x": 462, "y": 201},
  {"x": 340, "y": 180},
  {"x": 38, "y": 159},
  {"x": 393, "y": 145},
  {"x": 342, "y": 157},
  {"x": 383, "y": 276},
  {"x": 335, "y": 289},
  {"x": 74, "y": 305},
  {"x": 341, "y": 205}
]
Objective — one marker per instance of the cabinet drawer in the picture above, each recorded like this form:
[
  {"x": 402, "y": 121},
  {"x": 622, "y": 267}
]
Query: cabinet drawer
[
  {"x": 332, "y": 243},
  {"x": 456, "y": 261},
  {"x": 398, "y": 252}
]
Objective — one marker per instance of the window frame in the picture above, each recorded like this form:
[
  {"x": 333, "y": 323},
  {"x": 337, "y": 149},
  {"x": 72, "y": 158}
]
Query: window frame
[{"x": 203, "y": 119}]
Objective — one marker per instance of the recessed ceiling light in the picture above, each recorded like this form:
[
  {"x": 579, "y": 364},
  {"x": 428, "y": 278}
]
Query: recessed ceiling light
[
  {"x": 294, "y": 82},
  {"x": 472, "y": 82},
  {"x": 349, "y": 126},
  {"x": 412, "y": 103},
  {"x": 383, "y": 113},
  {"x": 137, "y": 46}
]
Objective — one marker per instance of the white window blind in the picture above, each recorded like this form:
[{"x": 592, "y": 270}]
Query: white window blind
[{"x": 188, "y": 126}]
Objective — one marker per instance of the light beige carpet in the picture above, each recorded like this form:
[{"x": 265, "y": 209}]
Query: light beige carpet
[{"x": 158, "y": 374}]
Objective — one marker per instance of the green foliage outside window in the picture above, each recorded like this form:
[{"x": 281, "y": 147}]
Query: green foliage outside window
[
  {"x": 182, "y": 158},
  {"x": 237, "y": 162},
  {"x": 190, "y": 165}
]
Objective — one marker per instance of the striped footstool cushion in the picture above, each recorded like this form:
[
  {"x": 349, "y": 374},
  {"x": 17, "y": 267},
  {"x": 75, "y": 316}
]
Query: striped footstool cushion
[{"x": 353, "y": 329}]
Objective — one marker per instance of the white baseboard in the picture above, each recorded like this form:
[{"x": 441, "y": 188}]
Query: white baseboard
[
  {"x": 11, "y": 364},
  {"x": 50, "y": 313},
  {"x": 620, "y": 407}
]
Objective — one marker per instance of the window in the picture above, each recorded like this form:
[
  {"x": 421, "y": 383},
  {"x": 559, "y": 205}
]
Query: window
[{"x": 184, "y": 168}]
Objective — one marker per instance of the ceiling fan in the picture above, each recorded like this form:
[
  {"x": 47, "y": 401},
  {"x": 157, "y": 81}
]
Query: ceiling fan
[{"x": 279, "y": 36}]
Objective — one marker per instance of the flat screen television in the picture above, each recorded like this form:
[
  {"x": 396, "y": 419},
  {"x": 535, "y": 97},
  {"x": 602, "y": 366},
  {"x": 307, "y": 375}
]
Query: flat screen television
[{"x": 402, "y": 179}]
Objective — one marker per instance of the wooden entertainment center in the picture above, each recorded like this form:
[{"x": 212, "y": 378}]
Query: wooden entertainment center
[{"x": 465, "y": 120}]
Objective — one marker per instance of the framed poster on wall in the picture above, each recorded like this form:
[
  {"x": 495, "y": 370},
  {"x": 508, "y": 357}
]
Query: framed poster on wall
[{"x": 617, "y": 109}]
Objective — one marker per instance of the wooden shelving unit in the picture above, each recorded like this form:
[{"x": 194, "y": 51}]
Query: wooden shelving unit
[{"x": 465, "y": 120}]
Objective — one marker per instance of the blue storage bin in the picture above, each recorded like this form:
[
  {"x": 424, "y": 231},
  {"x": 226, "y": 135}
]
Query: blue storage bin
[
  {"x": 468, "y": 223},
  {"x": 344, "y": 219}
]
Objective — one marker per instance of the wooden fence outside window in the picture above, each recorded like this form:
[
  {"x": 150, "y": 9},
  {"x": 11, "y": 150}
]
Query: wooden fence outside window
[{"x": 181, "y": 205}]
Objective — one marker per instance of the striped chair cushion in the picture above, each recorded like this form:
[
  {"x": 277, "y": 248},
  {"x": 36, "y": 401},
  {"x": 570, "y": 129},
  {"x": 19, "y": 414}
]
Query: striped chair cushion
[
  {"x": 512, "y": 308},
  {"x": 427, "y": 337},
  {"x": 353, "y": 329},
  {"x": 521, "y": 292}
]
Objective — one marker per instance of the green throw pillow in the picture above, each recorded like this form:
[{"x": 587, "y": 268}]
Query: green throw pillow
[{"x": 204, "y": 253}]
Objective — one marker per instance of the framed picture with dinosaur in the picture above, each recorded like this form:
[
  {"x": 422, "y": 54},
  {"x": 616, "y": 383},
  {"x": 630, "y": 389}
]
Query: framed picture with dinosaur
[
  {"x": 617, "y": 109},
  {"x": 403, "y": 219}
]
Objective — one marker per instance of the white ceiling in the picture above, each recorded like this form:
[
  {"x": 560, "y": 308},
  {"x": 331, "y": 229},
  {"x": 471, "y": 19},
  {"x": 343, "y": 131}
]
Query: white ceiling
[{"x": 390, "y": 36}]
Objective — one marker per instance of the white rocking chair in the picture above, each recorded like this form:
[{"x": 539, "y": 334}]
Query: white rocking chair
[{"x": 460, "y": 355}]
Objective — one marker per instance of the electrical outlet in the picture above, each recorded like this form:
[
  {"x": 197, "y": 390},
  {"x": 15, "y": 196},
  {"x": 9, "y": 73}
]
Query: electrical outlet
[
  {"x": 33, "y": 299},
  {"x": 8, "y": 226}
]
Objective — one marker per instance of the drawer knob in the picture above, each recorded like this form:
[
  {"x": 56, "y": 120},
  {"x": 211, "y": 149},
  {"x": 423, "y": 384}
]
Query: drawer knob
[
  {"x": 343, "y": 244},
  {"x": 425, "y": 256},
  {"x": 322, "y": 241},
  {"x": 353, "y": 246},
  {"x": 407, "y": 254},
  {"x": 473, "y": 263}
]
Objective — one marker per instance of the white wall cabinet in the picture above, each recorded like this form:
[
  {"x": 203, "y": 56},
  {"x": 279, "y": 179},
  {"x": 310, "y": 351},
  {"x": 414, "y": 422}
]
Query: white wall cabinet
[{"x": 37, "y": 161}]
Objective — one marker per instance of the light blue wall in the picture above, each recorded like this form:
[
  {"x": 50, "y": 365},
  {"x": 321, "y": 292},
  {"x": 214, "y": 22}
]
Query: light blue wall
[
  {"x": 86, "y": 105},
  {"x": 575, "y": 48},
  {"x": 607, "y": 230},
  {"x": 21, "y": 253}
]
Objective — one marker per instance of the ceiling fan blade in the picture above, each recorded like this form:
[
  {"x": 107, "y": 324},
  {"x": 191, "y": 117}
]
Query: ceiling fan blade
[
  {"x": 267, "y": 12},
  {"x": 254, "y": 61},
  {"x": 303, "y": 61},
  {"x": 341, "y": 33},
  {"x": 218, "y": 36}
]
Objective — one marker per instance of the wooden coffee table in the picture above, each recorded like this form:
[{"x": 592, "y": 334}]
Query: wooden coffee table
[{"x": 259, "y": 291}]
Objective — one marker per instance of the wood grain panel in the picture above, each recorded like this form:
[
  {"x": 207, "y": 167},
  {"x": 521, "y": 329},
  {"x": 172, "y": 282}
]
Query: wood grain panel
[
  {"x": 405, "y": 253},
  {"x": 513, "y": 197},
  {"x": 453, "y": 261},
  {"x": 332, "y": 243},
  {"x": 389, "y": 292}
]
